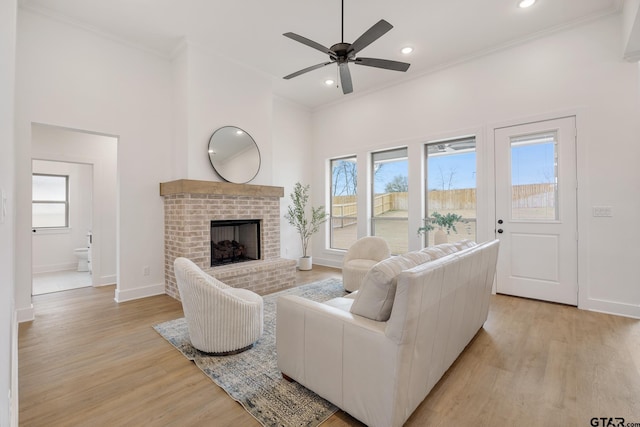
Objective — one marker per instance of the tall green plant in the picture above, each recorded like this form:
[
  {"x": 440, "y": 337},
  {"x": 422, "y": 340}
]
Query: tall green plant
[{"x": 297, "y": 215}]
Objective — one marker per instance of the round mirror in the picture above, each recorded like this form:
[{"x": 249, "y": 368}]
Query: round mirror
[{"x": 234, "y": 155}]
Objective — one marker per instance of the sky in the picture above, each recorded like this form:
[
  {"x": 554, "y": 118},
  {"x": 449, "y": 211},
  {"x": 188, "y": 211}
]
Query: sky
[{"x": 531, "y": 164}]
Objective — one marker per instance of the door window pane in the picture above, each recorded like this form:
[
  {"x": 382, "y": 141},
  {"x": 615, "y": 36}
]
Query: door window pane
[
  {"x": 50, "y": 205},
  {"x": 451, "y": 190},
  {"x": 344, "y": 207},
  {"x": 534, "y": 177},
  {"x": 391, "y": 198}
]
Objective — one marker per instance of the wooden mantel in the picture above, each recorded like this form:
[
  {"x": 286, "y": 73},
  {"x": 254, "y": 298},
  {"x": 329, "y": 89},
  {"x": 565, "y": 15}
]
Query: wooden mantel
[{"x": 189, "y": 186}]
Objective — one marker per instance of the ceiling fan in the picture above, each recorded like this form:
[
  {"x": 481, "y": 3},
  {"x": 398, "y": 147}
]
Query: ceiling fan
[{"x": 343, "y": 53}]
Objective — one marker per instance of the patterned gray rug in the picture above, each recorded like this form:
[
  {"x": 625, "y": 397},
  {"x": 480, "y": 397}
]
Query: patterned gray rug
[{"x": 252, "y": 378}]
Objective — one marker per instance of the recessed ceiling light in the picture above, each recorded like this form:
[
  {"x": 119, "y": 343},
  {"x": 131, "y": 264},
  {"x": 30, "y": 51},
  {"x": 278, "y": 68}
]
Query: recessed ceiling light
[
  {"x": 329, "y": 82},
  {"x": 406, "y": 50},
  {"x": 526, "y": 3}
]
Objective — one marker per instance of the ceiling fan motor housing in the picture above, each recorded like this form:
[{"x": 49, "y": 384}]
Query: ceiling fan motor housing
[{"x": 342, "y": 52}]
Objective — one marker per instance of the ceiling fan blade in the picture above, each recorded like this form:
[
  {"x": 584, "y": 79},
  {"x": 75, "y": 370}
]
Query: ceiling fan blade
[
  {"x": 306, "y": 70},
  {"x": 383, "y": 63},
  {"x": 369, "y": 36},
  {"x": 310, "y": 43},
  {"x": 345, "y": 78}
]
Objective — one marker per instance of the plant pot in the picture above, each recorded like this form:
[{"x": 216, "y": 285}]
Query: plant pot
[
  {"x": 439, "y": 237},
  {"x": 304, "y": 263}
]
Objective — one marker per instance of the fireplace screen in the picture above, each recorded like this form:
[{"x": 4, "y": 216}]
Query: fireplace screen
[{"x": 235, "y": 241}]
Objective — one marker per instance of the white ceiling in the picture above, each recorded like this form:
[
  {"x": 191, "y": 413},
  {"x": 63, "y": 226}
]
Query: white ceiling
[{"x": 250, "y": 32}]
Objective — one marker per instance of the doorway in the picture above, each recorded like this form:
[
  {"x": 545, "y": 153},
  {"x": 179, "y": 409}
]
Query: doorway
[
  {"x": 94, "y": 192},
  {"x": 536, "y": 210},
  {"x": 62, "y": 194}
]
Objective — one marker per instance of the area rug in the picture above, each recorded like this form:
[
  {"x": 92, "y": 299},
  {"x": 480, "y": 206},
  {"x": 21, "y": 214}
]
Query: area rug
[{"x": 252, "y": 378}]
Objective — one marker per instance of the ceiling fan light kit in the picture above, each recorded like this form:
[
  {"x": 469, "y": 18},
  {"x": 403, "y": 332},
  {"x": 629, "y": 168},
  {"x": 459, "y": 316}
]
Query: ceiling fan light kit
[{"x": 343, "y": 53}]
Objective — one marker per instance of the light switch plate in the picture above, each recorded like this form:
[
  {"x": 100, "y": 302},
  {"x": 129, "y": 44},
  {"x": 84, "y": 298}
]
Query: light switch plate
[{"x": 602, "y": 211}]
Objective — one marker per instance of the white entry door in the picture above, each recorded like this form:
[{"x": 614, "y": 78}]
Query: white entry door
[{"x": 536, "y": 210}]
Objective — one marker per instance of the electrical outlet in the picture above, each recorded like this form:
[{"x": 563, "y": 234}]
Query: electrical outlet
[
  {"x": 602, "y": 211},
  {"x": 145, "y": 270}
]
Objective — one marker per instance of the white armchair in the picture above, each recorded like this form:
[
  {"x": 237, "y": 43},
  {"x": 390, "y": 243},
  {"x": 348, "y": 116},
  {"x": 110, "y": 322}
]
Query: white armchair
[
  {"x": 360, "y": 258},
  {"x": 221, "y": 319}
]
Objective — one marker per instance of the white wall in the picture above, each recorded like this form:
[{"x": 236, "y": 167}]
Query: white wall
[
  {"x": 579, "y": 70},
  {"x": 8, "y": 324},
  {"x": 100, "y": 152},
  {"x": 218, "y": 93},
  {"x": 292, "y": 160},
  {"x": 75, "y": 79}
]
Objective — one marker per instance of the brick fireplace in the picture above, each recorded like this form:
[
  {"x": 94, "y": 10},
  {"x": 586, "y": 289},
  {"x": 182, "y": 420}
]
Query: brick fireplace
[{"x": 189, "y": 209}]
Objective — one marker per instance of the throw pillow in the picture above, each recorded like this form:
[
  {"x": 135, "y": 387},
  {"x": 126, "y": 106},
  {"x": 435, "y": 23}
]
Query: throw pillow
[{"x": 375, "y": 296}]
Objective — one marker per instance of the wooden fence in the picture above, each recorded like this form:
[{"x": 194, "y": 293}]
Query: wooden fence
[
  {"x": 345, "y": 210},
  {"x": 464, "y": 198}
]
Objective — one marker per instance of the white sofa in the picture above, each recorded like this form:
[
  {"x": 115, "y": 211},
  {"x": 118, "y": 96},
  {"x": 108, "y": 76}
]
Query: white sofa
[{"x": 380, "y": 371}]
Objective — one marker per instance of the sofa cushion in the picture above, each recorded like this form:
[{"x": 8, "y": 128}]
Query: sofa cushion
[
  {"x": 447, "y": 248},
  {"x": 343, "y": 303},
  {"x": 418, "y": 257},
  {"x": 375, "y": 297},
  {"x": 464, "y": 244},
  {"x": 364, "y": 264},
  {"x": 434, "y": 252}
]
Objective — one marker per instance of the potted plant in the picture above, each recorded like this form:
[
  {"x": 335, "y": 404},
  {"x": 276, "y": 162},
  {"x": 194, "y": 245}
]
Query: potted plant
[
  {"x": 446, "y": 222},
  {"x": 306, "y": 227}
]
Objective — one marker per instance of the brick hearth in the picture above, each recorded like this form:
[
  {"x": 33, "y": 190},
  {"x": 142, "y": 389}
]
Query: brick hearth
[{"x": 189, "y": 208}]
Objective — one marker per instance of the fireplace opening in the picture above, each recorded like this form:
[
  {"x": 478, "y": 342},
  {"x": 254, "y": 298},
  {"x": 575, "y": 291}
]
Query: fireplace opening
[{"x": 235, "y": 241}]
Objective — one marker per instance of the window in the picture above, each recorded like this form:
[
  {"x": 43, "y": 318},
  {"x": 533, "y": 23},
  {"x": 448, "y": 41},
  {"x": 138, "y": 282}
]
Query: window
[
  {"x": 451, "y": 189},
  {"x": 50, "y": 201},
  {"x": 344, "y": 206},
  {"x": 390, "y": 201},
  {"x": 534, "y": 177}
]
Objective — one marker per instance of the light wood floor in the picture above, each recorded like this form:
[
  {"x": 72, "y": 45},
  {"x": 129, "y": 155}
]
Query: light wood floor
[{"x": 88, "y": 361}]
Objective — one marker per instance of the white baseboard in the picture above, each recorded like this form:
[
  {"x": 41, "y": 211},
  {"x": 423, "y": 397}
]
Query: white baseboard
[
  {"x": 137, "y": 293},
  {"x": 611, "y": 307},
  {"x": 105, "y": 280},
  {"x": 25, "y": 314},
  {"x": 327, "y": 262},
  {"x": 52, "y": 268}
]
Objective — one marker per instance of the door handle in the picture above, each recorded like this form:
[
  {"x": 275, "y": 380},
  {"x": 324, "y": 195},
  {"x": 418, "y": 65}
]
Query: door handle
[
  {"x": 500, "y": 231},
  {"x": 500, "y": 221}
]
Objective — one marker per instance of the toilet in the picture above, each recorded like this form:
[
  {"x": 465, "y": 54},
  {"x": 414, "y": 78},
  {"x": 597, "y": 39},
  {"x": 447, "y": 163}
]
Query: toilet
[{"x": 83, "y": 258}]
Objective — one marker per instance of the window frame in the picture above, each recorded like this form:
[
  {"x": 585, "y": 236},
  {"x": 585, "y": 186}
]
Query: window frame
[
  {"x": 458, "y": 139},
  {"x": 373, "y": 218},
  {"x": 354, "y": 159},
  {"x": 52, "y": 202}
]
